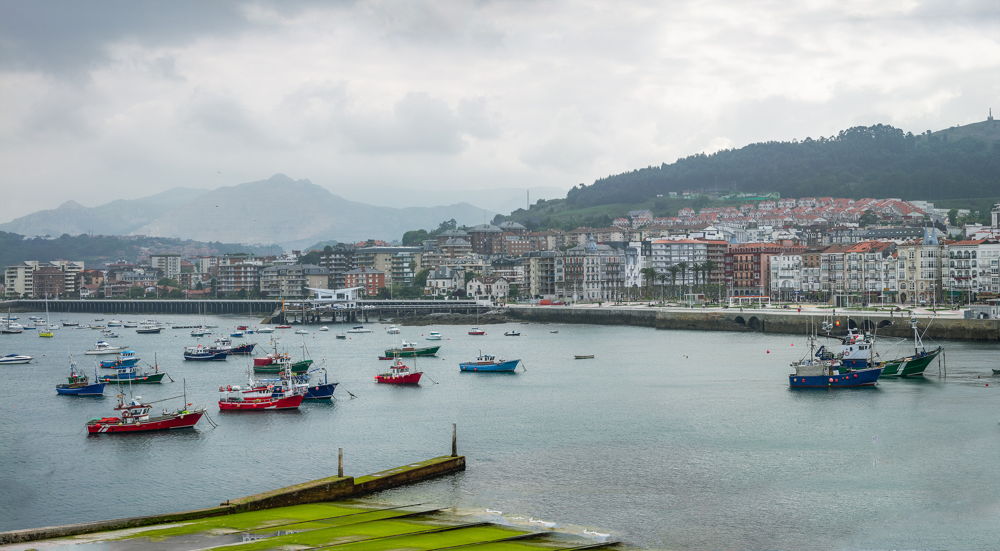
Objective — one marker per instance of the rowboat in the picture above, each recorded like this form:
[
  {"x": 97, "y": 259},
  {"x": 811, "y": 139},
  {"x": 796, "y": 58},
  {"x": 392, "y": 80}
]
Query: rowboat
[{"x": 583, "y": 357}]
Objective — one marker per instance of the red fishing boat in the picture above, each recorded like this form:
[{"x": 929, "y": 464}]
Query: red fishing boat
[
  {"x": 399, "y": 374},
  {"x": 477, "y": 331},
  {"x": 135, "y": 417},
  {"x": 258, "y": 396}
]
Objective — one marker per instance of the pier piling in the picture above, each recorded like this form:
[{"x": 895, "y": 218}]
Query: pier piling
[
  {"x": 340, "y": 462},
  {"x": 454, "y": 440}
]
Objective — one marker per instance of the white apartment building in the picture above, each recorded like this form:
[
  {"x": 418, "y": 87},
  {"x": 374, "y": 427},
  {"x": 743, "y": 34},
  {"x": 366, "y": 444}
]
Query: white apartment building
[{"x": 168, "y": 264}]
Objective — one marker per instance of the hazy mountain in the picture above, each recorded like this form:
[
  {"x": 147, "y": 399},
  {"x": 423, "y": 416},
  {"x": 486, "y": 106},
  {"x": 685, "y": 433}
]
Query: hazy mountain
[
  {"x": 291, "y": 213},
  {"x": 115, "y": 218},
  {"x": 496, "y": 199}
]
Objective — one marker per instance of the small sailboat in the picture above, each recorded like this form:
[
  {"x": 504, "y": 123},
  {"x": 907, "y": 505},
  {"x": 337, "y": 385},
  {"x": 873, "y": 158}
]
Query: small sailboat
[{"x": 46, "y": 332}]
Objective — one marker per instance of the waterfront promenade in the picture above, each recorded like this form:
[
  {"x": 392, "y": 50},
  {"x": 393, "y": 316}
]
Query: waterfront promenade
[{"x": 940, "y": 324}]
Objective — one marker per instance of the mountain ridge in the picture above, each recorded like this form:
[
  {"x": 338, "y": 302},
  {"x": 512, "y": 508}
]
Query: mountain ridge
[{"x": 279, "y": 210}]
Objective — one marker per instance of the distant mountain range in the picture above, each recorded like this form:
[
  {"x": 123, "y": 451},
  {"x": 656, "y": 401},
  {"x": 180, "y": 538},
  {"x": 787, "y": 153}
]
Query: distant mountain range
[
  {"x": 279, "y": 210},
  {"x": 98, "y": 250}
]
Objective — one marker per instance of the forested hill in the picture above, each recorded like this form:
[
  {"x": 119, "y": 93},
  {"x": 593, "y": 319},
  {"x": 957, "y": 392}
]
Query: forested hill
[
  {"x": 875, "y": 161},
  {"x": 95, "y": 250}
]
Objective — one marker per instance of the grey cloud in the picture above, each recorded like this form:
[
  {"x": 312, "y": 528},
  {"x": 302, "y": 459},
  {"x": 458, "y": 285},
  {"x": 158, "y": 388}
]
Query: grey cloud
[
  {"x": 418, "y": 123},
  {"x": 71, "y": 37}
]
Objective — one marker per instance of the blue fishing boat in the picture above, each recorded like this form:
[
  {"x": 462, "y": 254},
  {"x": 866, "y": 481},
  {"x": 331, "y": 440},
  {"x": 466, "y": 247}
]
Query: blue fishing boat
[
  {"x": 489, "y": 364},
  {"x": 301, "y": 384},
  {"x": 225, "y": 343},
  {"x": 319, "y": 390},
  {"x": 816, "y": 372},
  {"x": 79, "y": 384},
  {"x": 202, "y": 353},
  {"x": 126, "y": 358}
]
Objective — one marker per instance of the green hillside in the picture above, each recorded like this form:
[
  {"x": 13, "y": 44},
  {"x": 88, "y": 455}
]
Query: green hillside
[{"x": 960, "y": 164}]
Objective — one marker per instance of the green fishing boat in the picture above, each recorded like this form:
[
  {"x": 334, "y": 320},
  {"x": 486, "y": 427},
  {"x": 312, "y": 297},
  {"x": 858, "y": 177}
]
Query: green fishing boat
[
  {"x": 410, "y": 350},
  {"x": 915, "y": 364},
  {"x": 297, "y": 368},
  {"x": 131, "y": 375}
]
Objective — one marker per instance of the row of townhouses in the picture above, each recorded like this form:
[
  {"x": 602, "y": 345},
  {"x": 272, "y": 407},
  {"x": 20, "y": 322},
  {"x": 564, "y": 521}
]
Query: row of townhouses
[{"x": 904, "y": 264}]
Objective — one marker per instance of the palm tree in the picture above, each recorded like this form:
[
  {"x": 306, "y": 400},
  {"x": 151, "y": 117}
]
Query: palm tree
[
  {"x": 649, "y": 276},
  {"x": 709, "y": 266},
  {"x": 683, "y": 268},
  {"x": 673, "y": 277}
]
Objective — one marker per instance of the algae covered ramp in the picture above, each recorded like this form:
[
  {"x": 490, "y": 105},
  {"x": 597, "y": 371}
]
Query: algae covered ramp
[{"x": 311, "y": 515}]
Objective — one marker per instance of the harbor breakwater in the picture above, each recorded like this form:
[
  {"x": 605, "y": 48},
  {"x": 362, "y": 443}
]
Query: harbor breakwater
[
  {"x": 891, "y": 324},
  {"x": 324, "y": 489}
]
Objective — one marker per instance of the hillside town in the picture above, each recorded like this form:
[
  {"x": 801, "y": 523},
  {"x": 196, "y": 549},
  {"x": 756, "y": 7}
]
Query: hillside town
[{"x": 843, "y": 252}]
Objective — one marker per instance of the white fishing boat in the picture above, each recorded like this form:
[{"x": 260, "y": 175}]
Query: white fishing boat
[{"x": 102, "y": 348}]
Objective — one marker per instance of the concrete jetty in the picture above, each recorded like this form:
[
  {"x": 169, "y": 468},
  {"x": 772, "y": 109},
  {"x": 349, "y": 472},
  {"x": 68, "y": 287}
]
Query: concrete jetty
[
  {"x": 325, "y": 489},
  {"x": 765, "y": 320}
]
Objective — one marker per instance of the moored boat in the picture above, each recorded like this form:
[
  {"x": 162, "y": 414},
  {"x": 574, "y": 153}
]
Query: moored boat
[
  {"x": 489, "y": 364},
  {"x": 204, "y": 353},
  {"x": 399, "y": 374},
  {"x": 79, "y": 384},
  {"x": 234, "y": 350},
  {"x": 814, "y": 371},
  {"x": 914, "y": 364},
  {"x": 135, "y": 417},
  {"x": 434, "y": 336},
  {"x": 583, "y": 356},
  {"x": 16, "y": 359},
  {"x": 258, "y": 396},
  {"x": 392, "y": 330},
  {"x": 410, "y": 350},
  {"x": 126, "y": 358},
  {"x": 359, "y": 329},
  {"x": 477, "y": 331},
  {"x": 148, "y": 329},
  {"x": 512, "y": 333},
  {"x": 102, "y": 348},
  {"x": 132, "y": 375}
]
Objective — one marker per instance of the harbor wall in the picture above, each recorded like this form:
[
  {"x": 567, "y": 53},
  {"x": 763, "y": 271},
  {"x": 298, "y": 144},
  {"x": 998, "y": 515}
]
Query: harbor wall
[
  {"x": 891, "y": 324},
  {"x": 324, "y": 489}
]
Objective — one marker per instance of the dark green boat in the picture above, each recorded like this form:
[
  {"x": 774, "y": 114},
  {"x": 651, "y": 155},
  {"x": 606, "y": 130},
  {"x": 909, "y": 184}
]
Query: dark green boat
[
  {"x": 297, "y": 368},
  {"x": 410, "y": 350},
  {"x": 915, "y": 364}
]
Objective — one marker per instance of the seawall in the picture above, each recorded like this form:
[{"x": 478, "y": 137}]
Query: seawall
[
  {"x": 894, "y": 324},
  {"x": 324, "y": 489}
]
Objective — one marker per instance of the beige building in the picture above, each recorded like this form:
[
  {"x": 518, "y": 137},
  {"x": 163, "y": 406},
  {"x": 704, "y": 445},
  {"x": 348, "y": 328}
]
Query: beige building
[{"x": 19, "y": 279}]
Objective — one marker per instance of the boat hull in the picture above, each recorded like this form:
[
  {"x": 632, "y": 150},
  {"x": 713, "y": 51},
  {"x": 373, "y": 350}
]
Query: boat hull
[
  {"x": 205, "y": 356},
  {"x": 183, "y": 420},
  {"x": 265, "y": 404},
  {"x": 848, "y": 379},
  {"x": 489, "y": 367},
  {"x": 93, "y": 389},
  {"x": 407, "y": 379},
  {"x": 412, "y": 353},
  {"x": 320, "y": 392},
  {"x": 911, "y": 366},
  {"x": 297, "y": 367},
  {"x": 140, "y": 380}
]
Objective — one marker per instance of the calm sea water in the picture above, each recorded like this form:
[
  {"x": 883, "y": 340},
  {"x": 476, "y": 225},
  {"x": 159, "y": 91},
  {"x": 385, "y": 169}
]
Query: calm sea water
[{"x": 667, "y": 439}]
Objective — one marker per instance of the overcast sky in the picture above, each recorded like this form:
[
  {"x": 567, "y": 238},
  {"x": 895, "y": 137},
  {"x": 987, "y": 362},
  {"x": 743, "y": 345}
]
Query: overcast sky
[{"x": 121, "y": 99}]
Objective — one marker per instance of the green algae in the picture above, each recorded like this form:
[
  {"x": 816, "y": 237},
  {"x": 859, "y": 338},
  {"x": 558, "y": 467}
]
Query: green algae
[
  {"x": 253, "y": 520},
  {"x": 381, "y": 535}
]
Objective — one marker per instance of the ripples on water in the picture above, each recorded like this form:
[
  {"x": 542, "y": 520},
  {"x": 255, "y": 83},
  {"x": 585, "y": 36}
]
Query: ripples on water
[{"x": 667, "y": 439}]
